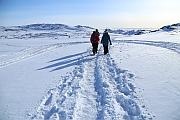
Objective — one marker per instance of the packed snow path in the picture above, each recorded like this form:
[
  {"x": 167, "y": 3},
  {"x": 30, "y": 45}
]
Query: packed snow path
[{"x": 95, "y": 90}]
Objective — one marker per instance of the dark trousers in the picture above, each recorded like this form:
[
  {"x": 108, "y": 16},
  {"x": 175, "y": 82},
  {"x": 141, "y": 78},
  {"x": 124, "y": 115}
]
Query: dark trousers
[
  {"x": 95, "y": 47},
  {"x": 105, "y": 49}
]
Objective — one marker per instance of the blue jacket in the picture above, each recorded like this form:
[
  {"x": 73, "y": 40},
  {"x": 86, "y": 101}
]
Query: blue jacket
[{"x": 105, "y": 39}]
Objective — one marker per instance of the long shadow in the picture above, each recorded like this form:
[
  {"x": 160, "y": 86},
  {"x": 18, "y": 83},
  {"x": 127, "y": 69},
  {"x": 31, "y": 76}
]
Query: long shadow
[
  {"x": 67, "y": 57},
  {"x": 72, "y": 64},
  {"x": 67, "y": 63}
]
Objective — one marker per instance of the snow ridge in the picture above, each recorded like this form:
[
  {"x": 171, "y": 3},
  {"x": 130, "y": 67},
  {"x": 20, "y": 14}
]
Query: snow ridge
[{"x": 116, "y": 92}]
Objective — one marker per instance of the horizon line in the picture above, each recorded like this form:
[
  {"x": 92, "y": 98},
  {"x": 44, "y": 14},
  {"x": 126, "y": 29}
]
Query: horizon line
[{"x": 81, "y": 25}]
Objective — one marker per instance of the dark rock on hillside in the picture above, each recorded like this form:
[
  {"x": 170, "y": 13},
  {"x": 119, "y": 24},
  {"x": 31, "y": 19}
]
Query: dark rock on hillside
[
  {"x": 128, "y": 32},
  {"x": 171, "y": 27},
  {"x": 84, "y": 27}
]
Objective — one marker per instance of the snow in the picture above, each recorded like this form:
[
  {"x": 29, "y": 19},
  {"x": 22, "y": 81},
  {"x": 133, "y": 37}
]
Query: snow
[
  {"x": 48, "y": 72},
  {"x": 157, "y": 78}
]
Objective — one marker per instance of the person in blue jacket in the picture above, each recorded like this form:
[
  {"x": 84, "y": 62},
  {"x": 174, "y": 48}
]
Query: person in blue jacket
[{"x": 105, "y": 41}]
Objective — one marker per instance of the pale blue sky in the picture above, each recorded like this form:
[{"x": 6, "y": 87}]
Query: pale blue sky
[{"x": 95, "y": 13}]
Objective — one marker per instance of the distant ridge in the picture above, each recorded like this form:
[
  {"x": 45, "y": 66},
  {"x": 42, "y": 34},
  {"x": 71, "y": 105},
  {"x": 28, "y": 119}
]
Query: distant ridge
[
  {"x": 171, "y": 27},
  {"x": 167, "y": 28},
  {"x": 79, "y": 28},
  {"x": 55, "y": 27},
  {"x": 129, "y": 32}
]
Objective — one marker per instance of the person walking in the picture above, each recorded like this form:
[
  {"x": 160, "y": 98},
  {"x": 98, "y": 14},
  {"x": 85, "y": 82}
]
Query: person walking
[
  {"x": 95, "y": 41},
  {"x": 105, "y": 41}
]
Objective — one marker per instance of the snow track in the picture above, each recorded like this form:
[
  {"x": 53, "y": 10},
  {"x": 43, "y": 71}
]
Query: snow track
[
  {"x": 27, "y": 53},
  {"x": 115, "y": 89},
  {"x": 30, "y": 52},
  {"x": 95, "y": 90},
  {"x": 60, "y": 102},
  {"x": 168, "y": 45}
]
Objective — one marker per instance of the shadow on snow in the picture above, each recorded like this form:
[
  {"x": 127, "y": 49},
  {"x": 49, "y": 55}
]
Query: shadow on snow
[{"x": 68, "y": 61}]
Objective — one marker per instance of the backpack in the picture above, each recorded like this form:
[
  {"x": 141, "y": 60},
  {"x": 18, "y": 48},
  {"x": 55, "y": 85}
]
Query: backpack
[{"x": 95, "y": 37}]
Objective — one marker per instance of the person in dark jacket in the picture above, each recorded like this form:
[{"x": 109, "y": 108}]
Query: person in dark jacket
[
  {"x": 105, "y": 41},
  {"x": 95, "y": 41}
]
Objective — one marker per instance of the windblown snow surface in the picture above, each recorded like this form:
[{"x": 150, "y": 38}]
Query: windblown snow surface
[{"x": 47, "y": 75}]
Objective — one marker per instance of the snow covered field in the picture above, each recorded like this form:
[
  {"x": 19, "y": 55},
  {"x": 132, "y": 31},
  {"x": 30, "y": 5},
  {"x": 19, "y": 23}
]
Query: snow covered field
[{"x": 50, "y": 74}]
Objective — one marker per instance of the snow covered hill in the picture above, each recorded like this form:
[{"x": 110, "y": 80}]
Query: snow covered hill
[
  {"x": 129, "y": 32},
  {"x": 44, "y": 31},
  {"x": 168, "y": 28},
  {"x": 55, "y": 27},
  {"x": 173, "y": 27},
  {"x": 48, "y": 72}
]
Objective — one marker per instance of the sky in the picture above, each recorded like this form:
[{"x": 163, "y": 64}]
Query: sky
[{"x": 94, "y": 13}]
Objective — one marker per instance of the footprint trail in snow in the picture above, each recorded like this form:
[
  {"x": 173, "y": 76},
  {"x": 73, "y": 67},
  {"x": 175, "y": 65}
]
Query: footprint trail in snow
[{"x": 95, "y": 90}]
